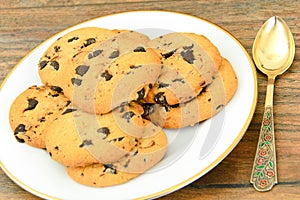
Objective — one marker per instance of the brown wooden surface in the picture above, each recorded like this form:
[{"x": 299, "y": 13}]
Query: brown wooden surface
[{"x": 25, "y": 24}]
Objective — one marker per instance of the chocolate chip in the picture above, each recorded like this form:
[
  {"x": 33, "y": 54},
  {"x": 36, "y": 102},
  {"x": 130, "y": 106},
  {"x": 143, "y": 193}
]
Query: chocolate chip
[
  {"x": 162, "y": 85},
  {"x": 20, "y": 129},
  {"x": 76, "y": 81},
  {"x": 141, "y": 94},
  {"x": 178, "y": 80},
  {"x": 31, "y": 104},
  {"x": 119, "y": 139},
  {"x": 106, "y": 75},
  {"x": 219, "y": 106},
  {"x": 168, "y": 54},
  {"x": 56, "y": 48},
  {"x": 82, "y": 69},
  {"x": 54, "y": 95},
  {"x": 160, "y": 99},
  {"x": 72, "y": 39},
  {"x": 89, "y": 42},
  {"x": 109, "y": 167},
  {"x": 95, "y": 54},
  {"x": 56, "y": 148},
  {"x": 135, "y": 66},
  {"x": 68, "y": 103},
  {"x": 150, "y": 86},
  {"x": 114, "y": 54},
  {"x": 69, "y": 110},
  {"x": 188, "y": 56},
  {"x": 55, "y": 65},
  {"x": 85, "y": 143},
  {"x": 128, "y": 116},
  {"x": 104, "y": 130},
  {"x": 56, "y": 89},
  {"x": 43, "y": 64},
  {"x": 148, "y": 109},
  {"x": 139, "y": 49}
]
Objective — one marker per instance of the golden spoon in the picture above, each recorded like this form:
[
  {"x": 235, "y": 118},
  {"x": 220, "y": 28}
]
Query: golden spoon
[{"x": 273, "y": 53}]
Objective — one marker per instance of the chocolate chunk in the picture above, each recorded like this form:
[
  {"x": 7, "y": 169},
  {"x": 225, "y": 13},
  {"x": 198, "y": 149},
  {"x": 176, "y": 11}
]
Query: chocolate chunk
[
  {"x": 56, "y": 89},
  {"x": 141, "y": 94},
  {"x": 109, "y": 167},
  {"x": 85, "y": 143},
  {"x": 89, "y": 42},
  {"x": 54, "y": 95},
  {"x": 56, "y": 48},
  {"x": 106, "y": 75},
  {"x": 178, "y": 80},
  {"x": 135, "y": 66},
  {"x": 160, "y": 99},
  {"x": 188, "y": 56},
  {"x": 72, "y": 39},
  {"x": 95, "y": 54},
  {"x": 162, "y": 85},
  {"x": 219, "y": 106},
  {"x": 104, "y": 130},
  {"x": 43, "y": 64},
  {"x": 148, "y": 109},
  {"x": 139, "y": 49},
  {"x": 128, "y": 116},
  {"x": 76, "y": 81},
  {"x": 68, "y": 103},
  {"x": 82, "y": 69},
  {"x": 20, "y": 129},
  {"x": 69, "y": 110},
  {"x": 114, "y": 54},
  {"x": 31, "y": 104},
  {"x": 150, "y": 86},
  {"x": 55, "y": 65},
  {"x": 117, "y": 139},
  {"x": 168, "y": 54}
]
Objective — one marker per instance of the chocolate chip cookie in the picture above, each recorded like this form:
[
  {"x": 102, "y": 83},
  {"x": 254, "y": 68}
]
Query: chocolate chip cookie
[{"x": 34, "y": 110}]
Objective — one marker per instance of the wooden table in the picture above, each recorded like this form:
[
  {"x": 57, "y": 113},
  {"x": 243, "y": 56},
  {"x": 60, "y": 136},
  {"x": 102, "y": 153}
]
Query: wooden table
[{"x": 25, "y": 24}]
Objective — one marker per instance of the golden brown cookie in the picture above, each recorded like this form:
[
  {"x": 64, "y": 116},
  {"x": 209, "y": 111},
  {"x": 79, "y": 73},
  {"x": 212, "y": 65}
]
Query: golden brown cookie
[
  {"x": 210, "y": 101},
  {"x": 33, "y": 111},
  {"x": 120, "y": 71},
  {"x": 189, "y": 63},
  {"x": 58, "y": 64},
  {"x": 99, "y": 175},
  {"x": 148, "y": 152},
  {"x": 79, "y": 138}
]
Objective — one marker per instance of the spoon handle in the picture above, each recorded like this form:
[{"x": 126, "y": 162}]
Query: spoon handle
[{"x": 264, "y": 172}]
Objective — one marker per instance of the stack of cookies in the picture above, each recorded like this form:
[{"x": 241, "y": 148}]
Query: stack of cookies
[{"x": 108, "y": 94}]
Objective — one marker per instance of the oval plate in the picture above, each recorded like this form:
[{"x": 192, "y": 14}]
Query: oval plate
[{"x": 192, "y": 152}]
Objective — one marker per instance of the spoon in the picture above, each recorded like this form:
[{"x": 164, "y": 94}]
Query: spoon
[{"x": 273, "y": 53}]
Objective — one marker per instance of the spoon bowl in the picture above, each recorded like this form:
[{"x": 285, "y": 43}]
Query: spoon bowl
[
  {"x": 273, "y": 53},
  {"x": 273, "y": 48}
]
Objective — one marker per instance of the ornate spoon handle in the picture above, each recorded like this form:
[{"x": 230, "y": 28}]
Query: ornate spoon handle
[{"x": 264, "y": 172}]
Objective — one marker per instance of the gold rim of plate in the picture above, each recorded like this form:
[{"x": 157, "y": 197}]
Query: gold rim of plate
[{"x": 195, "y": 176}]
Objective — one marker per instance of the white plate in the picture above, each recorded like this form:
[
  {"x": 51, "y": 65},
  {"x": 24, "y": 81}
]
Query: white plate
[{"x": 192, "y": 151}]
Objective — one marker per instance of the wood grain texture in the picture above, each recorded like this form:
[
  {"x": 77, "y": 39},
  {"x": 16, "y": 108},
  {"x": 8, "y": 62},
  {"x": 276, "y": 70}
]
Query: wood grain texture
[{"x": 25, "y": 24}]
